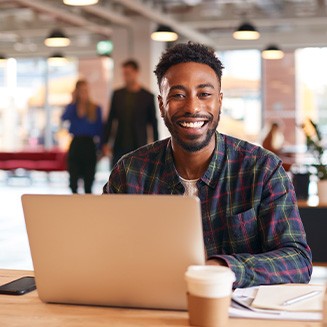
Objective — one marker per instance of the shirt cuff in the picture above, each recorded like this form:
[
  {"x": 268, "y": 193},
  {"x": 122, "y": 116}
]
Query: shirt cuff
[{"x": 236, "y": 266}]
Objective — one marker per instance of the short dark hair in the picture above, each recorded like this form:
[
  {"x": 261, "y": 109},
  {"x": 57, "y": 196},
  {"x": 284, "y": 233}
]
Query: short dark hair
[
  {"x": 188, "y": 52},
  {"x": 131, "y": 63}
]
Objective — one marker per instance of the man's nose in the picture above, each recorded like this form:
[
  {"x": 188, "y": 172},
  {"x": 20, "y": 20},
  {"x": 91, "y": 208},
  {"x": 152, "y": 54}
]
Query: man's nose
[{"x": 192, "y": 105}]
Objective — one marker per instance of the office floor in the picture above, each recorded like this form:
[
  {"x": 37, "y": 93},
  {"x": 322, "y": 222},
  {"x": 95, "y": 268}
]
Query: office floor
[{"x": 14, "y": 247}]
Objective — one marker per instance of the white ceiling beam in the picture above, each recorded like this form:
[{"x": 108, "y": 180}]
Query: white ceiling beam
[
  {"x": 65, "y": 15},
  {"x": 286, "y": 41},
  {"x": 72, "y": 53},
  {"x": 108, "y": 14},
  {"x": 39, "y": 32},
  {"x": 162, "y": 18},
  {"x": 260, "y": 22}
]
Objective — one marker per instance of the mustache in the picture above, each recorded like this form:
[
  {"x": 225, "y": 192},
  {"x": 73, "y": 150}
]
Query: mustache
[{"x": 194, "y": 116}]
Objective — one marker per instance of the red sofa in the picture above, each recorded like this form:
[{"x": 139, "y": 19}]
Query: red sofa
[{"x": 43, "y": 160}]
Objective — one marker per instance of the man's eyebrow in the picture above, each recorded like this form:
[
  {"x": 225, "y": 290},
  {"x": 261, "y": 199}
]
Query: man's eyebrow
[
  {"x": 202, "y": 86},
  {"x": 177, "y": 87},
  {"x": 183, "y": 88}
]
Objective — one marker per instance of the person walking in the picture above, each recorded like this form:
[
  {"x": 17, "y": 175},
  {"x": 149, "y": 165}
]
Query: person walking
[
  {"x": 86, "y": 127},
  {"x": 132, "y": 116}
]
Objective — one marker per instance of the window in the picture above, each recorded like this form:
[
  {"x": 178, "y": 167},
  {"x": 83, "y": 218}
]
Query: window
[
  {"x": 33, "y": 95},
  {"x": 241, "y": 84},
  {"x": 312, "y": 86}
]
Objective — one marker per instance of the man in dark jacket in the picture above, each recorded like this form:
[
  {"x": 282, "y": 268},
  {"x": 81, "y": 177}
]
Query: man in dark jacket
[{"x": 132, "y": 115}]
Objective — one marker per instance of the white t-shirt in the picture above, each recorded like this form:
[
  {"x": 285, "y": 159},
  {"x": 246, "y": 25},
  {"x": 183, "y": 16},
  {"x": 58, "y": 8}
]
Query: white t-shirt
[{"x": 190, "y": 186}]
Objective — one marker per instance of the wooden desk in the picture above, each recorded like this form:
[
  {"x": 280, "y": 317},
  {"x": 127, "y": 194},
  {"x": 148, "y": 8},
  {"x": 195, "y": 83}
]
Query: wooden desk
[{"x": 27, "y": 310}]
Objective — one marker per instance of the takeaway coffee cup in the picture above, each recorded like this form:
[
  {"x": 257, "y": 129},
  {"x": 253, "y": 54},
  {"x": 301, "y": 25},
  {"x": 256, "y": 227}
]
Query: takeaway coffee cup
[{"x": 209, "y": 291}]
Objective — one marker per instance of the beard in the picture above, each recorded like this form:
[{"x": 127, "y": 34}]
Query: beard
[{"x": 193, "y": 144}]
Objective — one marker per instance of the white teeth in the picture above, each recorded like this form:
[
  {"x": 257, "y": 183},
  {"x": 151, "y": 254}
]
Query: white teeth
[{"x": 197, "y": 124}]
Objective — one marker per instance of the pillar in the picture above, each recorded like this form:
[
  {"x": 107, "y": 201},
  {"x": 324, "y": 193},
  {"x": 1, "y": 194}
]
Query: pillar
[{"x": 279, "y": 99}]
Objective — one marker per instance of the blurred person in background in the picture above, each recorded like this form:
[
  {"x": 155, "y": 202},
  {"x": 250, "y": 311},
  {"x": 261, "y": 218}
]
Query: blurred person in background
[
  {"x": 86, "y": 127},
  {"x": 274, "y": 139},
  {"x": 132, "y": 120}
]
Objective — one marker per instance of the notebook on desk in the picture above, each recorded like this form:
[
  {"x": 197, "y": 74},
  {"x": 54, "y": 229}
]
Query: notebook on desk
[
  {"x": 115, "y": 250},
  {"x": 275, "y": 297},
  {"x": 267, "y": 302}
]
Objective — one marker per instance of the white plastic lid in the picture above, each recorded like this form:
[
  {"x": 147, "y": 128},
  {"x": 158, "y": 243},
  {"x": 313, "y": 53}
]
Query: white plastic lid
[{"x": 209, "y": 274}]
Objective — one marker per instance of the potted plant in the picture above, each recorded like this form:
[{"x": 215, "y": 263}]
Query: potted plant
[{"x": 314, "y": 145}]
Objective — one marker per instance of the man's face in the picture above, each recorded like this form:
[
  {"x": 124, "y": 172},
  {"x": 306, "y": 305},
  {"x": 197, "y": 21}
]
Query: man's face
[
  {"x": 190, "y": 104},
  {"x": 130, "y": 75}
]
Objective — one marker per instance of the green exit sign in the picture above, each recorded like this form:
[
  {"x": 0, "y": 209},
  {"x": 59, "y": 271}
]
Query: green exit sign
[{"x": 105, "y": 47}]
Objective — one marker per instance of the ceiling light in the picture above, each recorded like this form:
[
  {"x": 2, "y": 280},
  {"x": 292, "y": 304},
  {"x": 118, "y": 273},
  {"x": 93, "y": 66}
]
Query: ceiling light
[
  {"x": 246, "y": 31},
  {"x": 3, "y": 60},
  {"x": 57, "y": 39},
  {"x": 272, "y": 52},
  {"x": 80, "y": 2},
  {"x": 57, "y": 59},
  {"x": 164, "y": 34}
]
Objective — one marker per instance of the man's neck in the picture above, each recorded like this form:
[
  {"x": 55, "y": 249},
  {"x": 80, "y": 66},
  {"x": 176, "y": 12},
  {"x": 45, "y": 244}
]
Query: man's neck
[
  {"x": 192, "y": 165},
  {"x": 135, "y": 87}
]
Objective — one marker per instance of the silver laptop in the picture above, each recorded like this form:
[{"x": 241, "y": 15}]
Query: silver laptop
[{"x": 114, "y": 250}]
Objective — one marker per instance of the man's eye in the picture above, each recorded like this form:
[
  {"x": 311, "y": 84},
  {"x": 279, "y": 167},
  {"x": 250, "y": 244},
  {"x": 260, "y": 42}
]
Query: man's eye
[
  {"x": 204, "y": 94},
  {"x": 177, "y": 96}
]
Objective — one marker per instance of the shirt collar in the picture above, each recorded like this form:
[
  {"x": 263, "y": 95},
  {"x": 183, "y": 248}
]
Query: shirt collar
[
  {"x": 210, "y": 177},
  {"x": 171, "y": 176}
]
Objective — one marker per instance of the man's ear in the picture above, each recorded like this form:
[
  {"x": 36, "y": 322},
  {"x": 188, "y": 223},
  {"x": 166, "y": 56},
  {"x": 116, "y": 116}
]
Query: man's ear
[
  {"x": 221, "y": 96},
  {"x": 160, "y": 102},
  {"x": 220, "y": 104}
]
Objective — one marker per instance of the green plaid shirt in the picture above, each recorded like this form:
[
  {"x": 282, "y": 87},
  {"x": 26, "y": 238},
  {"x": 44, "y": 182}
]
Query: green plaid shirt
[{"x": 249, "y": 212}]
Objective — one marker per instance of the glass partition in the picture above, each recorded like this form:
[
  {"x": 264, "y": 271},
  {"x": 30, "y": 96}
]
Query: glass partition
[
  {"x": 241, "y": 85},
  {"x": 33, "y": 94},
  {"x": 311, "y": 66}
]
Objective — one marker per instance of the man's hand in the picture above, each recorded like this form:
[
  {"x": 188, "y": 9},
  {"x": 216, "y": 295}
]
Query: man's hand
[
  {"x": 106, "y": 150},
  {"x": 216, "y": 262}
]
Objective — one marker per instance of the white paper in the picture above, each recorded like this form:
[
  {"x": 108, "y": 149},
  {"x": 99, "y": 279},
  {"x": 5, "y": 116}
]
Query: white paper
[
  {"x": 273, "y": 296},
  {"x": 246, "y": 296},
  {"x": 284, "y": 315}
]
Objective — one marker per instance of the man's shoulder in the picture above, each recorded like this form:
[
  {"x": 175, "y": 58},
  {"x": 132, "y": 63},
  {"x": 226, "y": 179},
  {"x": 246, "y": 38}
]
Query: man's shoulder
[
  {"x": 146, "y": 93},
  {"x": 244, "y": 148},
  {"x": 147, "y": 153},
  {"x": 119, "y": 91},
  {"x": 123, "y": 90}
]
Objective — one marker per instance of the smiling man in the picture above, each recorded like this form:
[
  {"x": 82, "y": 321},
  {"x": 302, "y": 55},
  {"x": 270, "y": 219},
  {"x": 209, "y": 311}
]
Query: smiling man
[{"x": 250, "y": 217}]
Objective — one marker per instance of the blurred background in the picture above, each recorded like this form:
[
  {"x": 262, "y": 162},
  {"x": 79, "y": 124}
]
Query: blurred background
[{"x": 275, "y": 72}]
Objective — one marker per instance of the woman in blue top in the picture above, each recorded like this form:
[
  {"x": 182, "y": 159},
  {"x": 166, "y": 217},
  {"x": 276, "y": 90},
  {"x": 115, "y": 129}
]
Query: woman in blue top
[{"x": 85, "y": 119}]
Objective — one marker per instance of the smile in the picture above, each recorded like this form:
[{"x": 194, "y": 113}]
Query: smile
[{"x": 195, "y": 124}]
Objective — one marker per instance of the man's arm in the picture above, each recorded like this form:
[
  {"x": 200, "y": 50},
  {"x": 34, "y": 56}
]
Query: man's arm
[
  {"x": 117, "y": 180},
  {"x": 286, "y": 257},
  {"x": 152, "y": 119},
  {"x": 112, "y": 116}
]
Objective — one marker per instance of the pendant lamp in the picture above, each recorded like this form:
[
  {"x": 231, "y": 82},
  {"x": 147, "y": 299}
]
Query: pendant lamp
[
  {"x": 272, "y": 52},
  {"x": 246, "y": 31},
  {"x": 164, "y": 34},
  {"x": 80, "y": 2},
  {"x": 57, "y": 59},
  {"x": 57, "y": 39}
]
